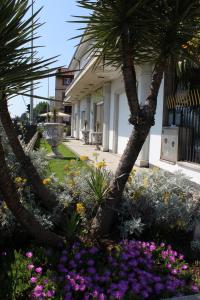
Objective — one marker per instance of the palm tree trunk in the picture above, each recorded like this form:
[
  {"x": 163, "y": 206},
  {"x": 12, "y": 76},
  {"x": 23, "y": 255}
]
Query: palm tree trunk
[
  {"x": 47, "y": 198},
  {"x": 143, "y": 120},
  {"x": 22, "y": 215}
]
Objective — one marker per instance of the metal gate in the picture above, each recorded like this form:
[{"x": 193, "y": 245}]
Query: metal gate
[{"x": 184, "y": 112}]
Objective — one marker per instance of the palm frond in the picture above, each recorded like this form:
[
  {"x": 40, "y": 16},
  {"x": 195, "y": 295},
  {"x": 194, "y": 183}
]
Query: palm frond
[
  {"x": 168, "y": 29},
  {"x": 17, "y": 28}
]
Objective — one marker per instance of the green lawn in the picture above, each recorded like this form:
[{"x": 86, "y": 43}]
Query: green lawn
[{"x": 56, "y": 165}]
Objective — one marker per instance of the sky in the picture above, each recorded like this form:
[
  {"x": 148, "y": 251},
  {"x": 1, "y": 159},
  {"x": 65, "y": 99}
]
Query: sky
[{"x": 55, "y": 35}]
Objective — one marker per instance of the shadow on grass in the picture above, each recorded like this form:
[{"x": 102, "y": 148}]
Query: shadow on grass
[{"x": 66, "y": 158}]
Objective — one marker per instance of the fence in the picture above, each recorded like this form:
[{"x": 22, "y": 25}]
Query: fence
[{"x": 184, "y": 112}]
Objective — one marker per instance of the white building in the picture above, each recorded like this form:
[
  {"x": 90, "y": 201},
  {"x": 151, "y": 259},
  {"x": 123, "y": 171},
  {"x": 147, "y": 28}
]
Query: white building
[{"x": 99, "y": 104}]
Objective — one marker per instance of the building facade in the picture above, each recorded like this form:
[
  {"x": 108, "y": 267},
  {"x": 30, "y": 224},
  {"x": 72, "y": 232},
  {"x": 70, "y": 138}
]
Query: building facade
[
  {"x": 100, "y": 108},
  {"x": 62, "y": 80}
]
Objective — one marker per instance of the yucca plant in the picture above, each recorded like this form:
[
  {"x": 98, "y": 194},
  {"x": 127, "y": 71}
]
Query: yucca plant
[
  {"x": 125, "y": 33},
  {"x": 19, "y": 65},
  {"x": 17, "y": 69}
]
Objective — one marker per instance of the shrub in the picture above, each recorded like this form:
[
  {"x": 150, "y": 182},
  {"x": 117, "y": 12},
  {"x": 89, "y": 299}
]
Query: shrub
[
  {"x": 132, "y": 270},
  {"x": 159, "y": 202}
]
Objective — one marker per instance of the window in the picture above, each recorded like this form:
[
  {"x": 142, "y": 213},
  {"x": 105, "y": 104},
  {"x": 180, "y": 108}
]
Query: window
[
  {"x": 67, "y": 109},
  {"x": 66, "y": 81}
]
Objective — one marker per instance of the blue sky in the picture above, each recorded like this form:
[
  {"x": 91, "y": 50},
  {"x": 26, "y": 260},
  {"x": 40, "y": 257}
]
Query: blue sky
[{"x": 55, "y": 35}]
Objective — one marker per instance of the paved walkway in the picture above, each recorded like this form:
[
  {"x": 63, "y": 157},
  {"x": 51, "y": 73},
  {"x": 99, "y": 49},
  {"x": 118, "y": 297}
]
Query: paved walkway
[
  {"x": 194, "y": 297},
  {"x": 79, "y": 148}
]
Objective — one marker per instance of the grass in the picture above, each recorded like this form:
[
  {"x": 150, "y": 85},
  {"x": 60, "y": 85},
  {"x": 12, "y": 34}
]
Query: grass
[{"x": 56, "y": 165}]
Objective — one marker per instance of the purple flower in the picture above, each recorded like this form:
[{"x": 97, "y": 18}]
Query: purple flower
[
  {"x": 77, "y": 256},
  {"x": 174, "y": 271},
  {"x": 91, "y": 270},
  {"x": 33, "y": 279},
  {"x": 184, "y": 267},
  {"x": 38, "y": 270},
  {"x": 50, "y": 293},
  {"x": 30, "y": 267},
  {"x": 29, "y": 254},
  {"x": 168, "y": 266},
  {"x": 90, "y": 262},
  {"x": 63, "y": 258},
  {"x": 102, "y": 296},
  {"x": 93, "y": 250},
  {"x": 46, "y": 281},
  {"x": 194, "y": 288},
  {"x": 38, "y": 288}
]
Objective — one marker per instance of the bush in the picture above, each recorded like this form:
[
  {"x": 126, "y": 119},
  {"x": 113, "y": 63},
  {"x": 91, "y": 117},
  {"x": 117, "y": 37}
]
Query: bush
[
  {"x": 132, "y": 270},
  {"x": 159, "y": 203}
]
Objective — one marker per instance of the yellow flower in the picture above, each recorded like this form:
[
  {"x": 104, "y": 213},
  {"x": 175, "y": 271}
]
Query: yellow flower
[
  {"x": 80, "y": 209},
  {"x": 72, "y": 161},
  {"x": 18, "y": 180},
  {"x": 129, "y": 179},
  {"x": 100, "y": 164},
  {"x": 46, "y": 181},
  {"x": 4, "y": 205},
  {"x": 84, "y": 158},
  {"x": 134, "y": 170},
  {"x": 166, "y": 196}
]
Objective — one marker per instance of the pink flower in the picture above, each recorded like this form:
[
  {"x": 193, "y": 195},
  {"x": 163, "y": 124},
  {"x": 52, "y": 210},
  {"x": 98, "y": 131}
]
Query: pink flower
[
  {"x": 38, "y": 288},
  {"x": 184, "y": 267},
  {"x": 168, "y": 266},
  {"x": 45, "y": 281},
  {"x": 38, "y": 270},
  {"x": 174, "y": 272},
  {"x": 33, "y": 279},
  {"x": 29, "y": 254},
  {"x": 30, "y": 267},
  {"x": 50, "y": 293}
]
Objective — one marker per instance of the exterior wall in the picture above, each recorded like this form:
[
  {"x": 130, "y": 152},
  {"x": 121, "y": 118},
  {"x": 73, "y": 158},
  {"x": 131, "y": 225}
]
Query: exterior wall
[
  {"x": 155, "y": 145},
  {"x": 117, "y": 87}
]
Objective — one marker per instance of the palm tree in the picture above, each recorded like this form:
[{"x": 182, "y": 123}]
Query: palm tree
[
  {"x": 17, "y": 70},
  {"x": 124, "y": 34}
]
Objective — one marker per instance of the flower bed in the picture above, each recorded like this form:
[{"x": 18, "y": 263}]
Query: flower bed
[{"x": 128, "y": 270}]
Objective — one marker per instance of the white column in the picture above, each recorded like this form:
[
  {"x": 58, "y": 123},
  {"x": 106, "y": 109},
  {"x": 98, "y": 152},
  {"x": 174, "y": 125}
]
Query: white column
[
  {"x": 143, "y": 91},
  {"x": 78, "y": 121},
  {"x": 106, "y": 115},
  {"x": 88, "y": 112},
  {"x": 72, "y": 121}
]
